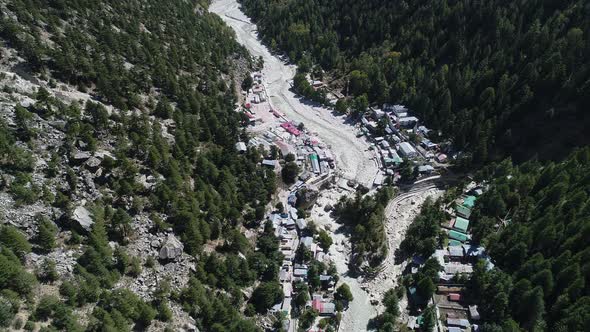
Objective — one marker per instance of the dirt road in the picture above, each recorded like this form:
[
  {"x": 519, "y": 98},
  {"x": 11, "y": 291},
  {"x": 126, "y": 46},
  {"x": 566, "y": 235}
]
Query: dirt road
[{"x": 353, "y": 159}]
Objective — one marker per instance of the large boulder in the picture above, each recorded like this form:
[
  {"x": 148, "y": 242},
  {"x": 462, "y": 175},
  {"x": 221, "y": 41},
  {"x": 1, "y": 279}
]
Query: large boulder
[
  {"x": 83, "y": 218},
  {"x": 306, "y": 197},
  {"x": 171, "y": 249},
  {"x": 79, "y": 157},
  {"x": 93, "y": 163}
]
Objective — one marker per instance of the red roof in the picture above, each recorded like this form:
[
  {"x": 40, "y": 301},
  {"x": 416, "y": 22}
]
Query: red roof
[
  {"x": 452, "y": 222},
  {"x": 454, "y": 297},
  {"x": 247, "y": 105},
  {"x": 291, "y": 128},
  {"x": 317, "y": 305}
]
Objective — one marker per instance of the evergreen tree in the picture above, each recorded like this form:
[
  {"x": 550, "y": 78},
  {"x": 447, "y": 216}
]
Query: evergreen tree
[
  {"x": 429, "y": 319},
  {"x": 46, "y": 235},
  {"x": 13, "y": 239}
]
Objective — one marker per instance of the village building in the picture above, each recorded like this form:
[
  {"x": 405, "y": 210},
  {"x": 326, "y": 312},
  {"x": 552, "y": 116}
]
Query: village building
[
  {"x": 241, "y": 147},
  {"x": 395, "y": 109},
  {"x": 458, "y": 236},
  {"x": 407, "y": 150},
  {"x": 301, "y": 224},
  {"x": 305, "y": 176},
  {"x": 456, "y": 253},
  {"x": 285, "y": 148},
  {"x": 425, "y": 169},
  {"x": 460, "y": 224},
  {"x": 292, "y": 200},
  {"x": 461, "y": 323},
  {"x": 315, "y": 164},
  {"x": 428, "y": 144},
  {"x": 300, "y": 271},
  {"x": 289, "y": 224},
  {"x": 324, "y": 308},
  {"x": 463, "y": 211},
  {"x": 269, "y": 163},
  {"x": 423, "y": 130},
  {"x": 291, "y": 128},
  {"x": 441, "y": 158},
  {"x": 407, "y": 121},
  {"x": 307, "y": 242},
  {"x": 469, "y": 201},
  {"x": 455, "y": 297},
  {"x": 317, "y": 84},
  {"x": 378, "y": 114}
]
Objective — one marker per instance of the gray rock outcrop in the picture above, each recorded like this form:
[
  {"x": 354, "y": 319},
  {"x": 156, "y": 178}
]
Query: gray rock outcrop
[
  {"x": 83, "y": 218},
  {"x": 306, "y": 197},
  {"x": 80, "y": 156},
  {"x": 93, "y": 163},
  {"x": 171, "y": 249}
]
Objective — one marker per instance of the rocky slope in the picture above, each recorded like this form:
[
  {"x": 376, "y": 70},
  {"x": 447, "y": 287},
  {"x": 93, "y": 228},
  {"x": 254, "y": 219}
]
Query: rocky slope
[{"x": 119, "y": 193}]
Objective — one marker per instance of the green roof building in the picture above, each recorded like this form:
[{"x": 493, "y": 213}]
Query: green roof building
[
  {"x": 454, "y": 243},
  {"x": 463, "y": 211},
  {"x": 469, "y": 201},
  {"x": 392, "y": 161},
  {"x": 461, "y": 224},
  {"x": 458, "y": 236}
]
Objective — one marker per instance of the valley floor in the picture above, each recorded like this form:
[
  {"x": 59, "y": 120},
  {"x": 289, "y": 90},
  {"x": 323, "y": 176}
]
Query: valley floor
[{"x": 354, "y": 161}]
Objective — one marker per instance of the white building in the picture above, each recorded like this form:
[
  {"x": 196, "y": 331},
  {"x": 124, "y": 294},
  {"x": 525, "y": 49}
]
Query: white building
[
  {"x": 241, "y": 147},
  {"x": 407, "y": 121},
  {"x": 407, "y": 150},
  {"x": 396, "y": 109}
]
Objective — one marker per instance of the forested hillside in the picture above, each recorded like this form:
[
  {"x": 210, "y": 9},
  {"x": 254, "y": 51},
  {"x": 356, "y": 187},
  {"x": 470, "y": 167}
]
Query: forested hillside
[
  {"x": 117, "y": 132},
  {"x": 535, "y": 220},
  {"x": 498, "y": 77}
]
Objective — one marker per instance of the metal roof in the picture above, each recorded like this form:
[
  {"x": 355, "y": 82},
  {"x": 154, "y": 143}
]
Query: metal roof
[
  {"x": 456, "y": 251},
  {"x": 461, "y": 224},
  {"x": 458, "y": 236},
  {"x": 469, "y": 201}
]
